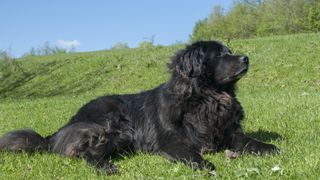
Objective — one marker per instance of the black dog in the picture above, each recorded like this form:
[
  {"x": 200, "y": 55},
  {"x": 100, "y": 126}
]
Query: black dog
[{"x": 195, "y": 111}]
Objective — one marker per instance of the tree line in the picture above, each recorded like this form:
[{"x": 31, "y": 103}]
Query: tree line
[{"x": 255, "y": 18}]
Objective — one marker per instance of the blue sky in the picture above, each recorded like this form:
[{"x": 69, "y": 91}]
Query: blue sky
[{"x": 95, "y": 24}]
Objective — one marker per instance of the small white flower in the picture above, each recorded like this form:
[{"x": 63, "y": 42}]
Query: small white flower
[{"x": 276, "y": 168}]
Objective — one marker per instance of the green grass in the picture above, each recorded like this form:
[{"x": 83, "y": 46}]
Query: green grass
[{"x": 280, "y": 95}]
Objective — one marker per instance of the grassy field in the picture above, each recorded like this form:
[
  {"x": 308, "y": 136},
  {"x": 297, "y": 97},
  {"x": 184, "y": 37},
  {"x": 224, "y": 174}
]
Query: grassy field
[{"x": 280, "y": 95}]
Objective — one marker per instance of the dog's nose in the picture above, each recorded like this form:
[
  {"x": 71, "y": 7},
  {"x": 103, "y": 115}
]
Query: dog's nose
[{"x": 244, "y": 59}]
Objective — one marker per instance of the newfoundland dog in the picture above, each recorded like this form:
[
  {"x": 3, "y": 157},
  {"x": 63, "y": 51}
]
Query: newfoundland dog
[{"x": 196, "y": 110}]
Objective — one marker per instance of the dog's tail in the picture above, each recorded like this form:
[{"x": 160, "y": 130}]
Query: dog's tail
[{"x": 24, "y": 140}]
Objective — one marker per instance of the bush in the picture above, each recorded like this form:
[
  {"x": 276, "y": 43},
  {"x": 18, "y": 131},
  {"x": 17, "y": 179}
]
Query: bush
[
  {"x": 47, "y": 49},
  {"x": 120, "y": 45},
  {"x": 146, "y": 45},
  {"x": 8, "y": 65},
  {"x": 251, "y": 18}
]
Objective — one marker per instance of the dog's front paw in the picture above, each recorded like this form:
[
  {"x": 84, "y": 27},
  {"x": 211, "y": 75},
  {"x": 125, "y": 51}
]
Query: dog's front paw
[
  {"x": 262, "y": 148},
  {"x": 111, "y": 169},
  {"x": 108, "y": 168},
  {"x": 270, "y": 149}
]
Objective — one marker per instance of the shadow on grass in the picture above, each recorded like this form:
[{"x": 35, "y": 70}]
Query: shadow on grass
[
  {"x": 21, "y": 77},
  {"x": 17, "y": 84},
  {"x": 263, "y": 135}
]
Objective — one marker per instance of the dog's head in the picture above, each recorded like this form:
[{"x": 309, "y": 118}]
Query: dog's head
[{"x": 210, "y": 62}]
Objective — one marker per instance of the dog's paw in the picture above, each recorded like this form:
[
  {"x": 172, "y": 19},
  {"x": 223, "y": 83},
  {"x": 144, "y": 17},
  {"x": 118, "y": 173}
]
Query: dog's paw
[
  {"x": 263, "y": 148},
  {"x": 108, "y": 168},
  {"x": 111, "y": 169},
  {"x": 271, "y": 149}
]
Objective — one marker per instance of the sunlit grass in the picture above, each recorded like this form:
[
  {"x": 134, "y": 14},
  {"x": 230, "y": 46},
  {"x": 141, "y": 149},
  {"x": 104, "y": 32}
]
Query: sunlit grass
[{"x": 280, "y": 95}]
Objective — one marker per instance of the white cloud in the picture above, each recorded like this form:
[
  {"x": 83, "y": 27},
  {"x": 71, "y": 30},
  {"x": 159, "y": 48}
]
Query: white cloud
[{"x": 67, "y": 44}]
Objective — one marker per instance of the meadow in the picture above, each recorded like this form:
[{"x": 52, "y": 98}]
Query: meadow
[{"x": 280, "y": 95}]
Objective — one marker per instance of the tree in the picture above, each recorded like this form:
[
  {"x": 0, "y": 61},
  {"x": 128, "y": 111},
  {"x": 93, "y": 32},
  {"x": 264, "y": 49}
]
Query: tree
[
  {"x": 250, "y": 18},
  {"x": 314, "y": 16},
  {"x": 210, "y": 27},
  {"x": 120, "y": 45},
  {"x": 47, "y": 49},
  {"x": 5, "y": 56}
]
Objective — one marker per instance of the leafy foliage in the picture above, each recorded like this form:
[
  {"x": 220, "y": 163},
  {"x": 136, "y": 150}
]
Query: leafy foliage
[
  {"x": 314, "y": 17},
  {"x": 47, "y": 49},
  {"x": 120, "y": 45},
  {"x": 251, "y": 18}
]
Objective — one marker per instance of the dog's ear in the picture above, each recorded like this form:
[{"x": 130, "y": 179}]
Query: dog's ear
[{"x": 189, "y": 62}]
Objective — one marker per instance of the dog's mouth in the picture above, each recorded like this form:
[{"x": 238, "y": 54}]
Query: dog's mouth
[
  {"x": 240, "y": 73},
  {"x": 236, "y": 76}
]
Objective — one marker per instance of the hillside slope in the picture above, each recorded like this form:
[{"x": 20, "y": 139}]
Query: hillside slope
[
  {"x": 84, "y": 73},
  {"x": 280, "y": 96},
  {"x": 280, "y": 61}
]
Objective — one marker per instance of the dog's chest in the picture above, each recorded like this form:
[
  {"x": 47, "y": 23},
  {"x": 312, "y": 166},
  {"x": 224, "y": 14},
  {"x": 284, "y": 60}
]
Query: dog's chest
[
  {"x": 211, "y": 117},
  {"x": 213, "y": 108}
]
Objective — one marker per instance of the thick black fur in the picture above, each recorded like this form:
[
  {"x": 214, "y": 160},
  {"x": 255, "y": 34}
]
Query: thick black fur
[{"x": 195, "y": 111}]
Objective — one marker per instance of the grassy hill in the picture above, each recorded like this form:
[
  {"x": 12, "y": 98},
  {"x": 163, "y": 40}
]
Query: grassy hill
[{"x": 280, "y": 95}]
